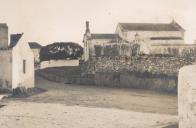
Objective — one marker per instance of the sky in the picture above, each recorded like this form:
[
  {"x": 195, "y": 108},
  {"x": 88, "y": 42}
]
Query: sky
[{"x": 48, "y": 21}]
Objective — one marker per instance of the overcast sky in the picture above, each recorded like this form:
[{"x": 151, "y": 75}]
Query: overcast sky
[{"x": 48, "y": 21}]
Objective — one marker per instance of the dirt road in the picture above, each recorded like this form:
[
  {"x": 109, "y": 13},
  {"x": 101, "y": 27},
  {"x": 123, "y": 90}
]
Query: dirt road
[
  {"x": 89, "y": 107},
  {"x": 128, "y": 99}
]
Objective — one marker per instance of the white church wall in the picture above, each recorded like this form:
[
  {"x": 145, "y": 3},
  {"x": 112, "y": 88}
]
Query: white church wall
[{"x": 130, "y": 35}]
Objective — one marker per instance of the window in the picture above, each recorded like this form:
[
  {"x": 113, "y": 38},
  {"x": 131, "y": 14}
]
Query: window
[{"x": 24, "y": 66}]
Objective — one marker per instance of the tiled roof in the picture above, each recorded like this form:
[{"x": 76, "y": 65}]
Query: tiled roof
[
  {"x": 151, "y": 27},
  {"x": 34, "y": 45},
  {"x": 104, "y": 36},
  {"x": 14, "y": 38}
]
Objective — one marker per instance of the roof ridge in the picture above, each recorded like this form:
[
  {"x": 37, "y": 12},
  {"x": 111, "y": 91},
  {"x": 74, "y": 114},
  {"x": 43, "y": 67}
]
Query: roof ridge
[
  {"x": 15, "y": 38},
  {"x": 105, "y": 33},
  {"x": 151, "y": 26},
  {"x": 141, "y": 23}
]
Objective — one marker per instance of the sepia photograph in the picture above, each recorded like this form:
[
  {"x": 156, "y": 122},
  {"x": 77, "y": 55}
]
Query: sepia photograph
[{"x": 97, "y": 64}]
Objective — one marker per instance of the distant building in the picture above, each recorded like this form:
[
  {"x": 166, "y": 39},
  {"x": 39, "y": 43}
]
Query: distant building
[
  {"x": 35, "y": 47},
  {"x": 17, "y": 64},
  {"x": 91, "y": 40},
  {"x": 150, "y": 38},
  {"x": 148, "y": 35}
]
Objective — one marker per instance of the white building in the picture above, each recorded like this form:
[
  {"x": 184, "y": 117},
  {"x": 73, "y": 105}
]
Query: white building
[
  {"x": 148, "y": 35},
  {"x": 35, "y": 47},
  {"x": 17, "y": 63},
  {"x": 152, "y": 38},
  {"x": 92, "y": 39}
]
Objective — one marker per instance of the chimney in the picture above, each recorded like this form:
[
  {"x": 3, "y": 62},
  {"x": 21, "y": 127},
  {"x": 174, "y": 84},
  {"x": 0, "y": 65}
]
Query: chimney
[
  {"x": 3, "y": 35},
  {"x": 87, "y": 27}
]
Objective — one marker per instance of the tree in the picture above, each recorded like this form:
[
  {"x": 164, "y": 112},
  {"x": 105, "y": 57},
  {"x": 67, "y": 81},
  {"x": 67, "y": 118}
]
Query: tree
[{"x": 61, "y": 51}]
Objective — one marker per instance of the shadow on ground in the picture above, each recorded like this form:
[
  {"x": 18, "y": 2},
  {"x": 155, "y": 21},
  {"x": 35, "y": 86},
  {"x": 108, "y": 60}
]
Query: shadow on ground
[
  {"x": 23, "y": 92},
  {"x": 2, "y": 106},
  {"x": 172, "y": 126}
]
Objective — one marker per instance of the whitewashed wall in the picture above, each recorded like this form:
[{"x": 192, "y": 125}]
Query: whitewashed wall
[
  {"x": 187, "y": 97},
  {"x": 58, "y": 63},
  {"x": 36, "y": 54},
  {"x": 148, "y": 34},
  {"x": 22, "y": 52},
  {"x": 5, "y": 69},
  {"x": 86, "y": 48},
  {"x": 130, "y": 35}
]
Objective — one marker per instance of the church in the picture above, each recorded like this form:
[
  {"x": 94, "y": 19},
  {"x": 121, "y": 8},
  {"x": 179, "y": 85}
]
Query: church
[
  {"x": 17, "y": 61},
  {"x": 151, "y": 38}
]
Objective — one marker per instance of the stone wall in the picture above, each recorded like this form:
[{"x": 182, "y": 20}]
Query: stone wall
[
  {"x": 147, "y": 72},
  {"x": 187, "y": 97},
  {"x": 144, "y": 72},
  {"x": 67, "y": 75},
  {"x": 5, "y": 69},
  {"x": 137, "y": 80},
  {"x": 152, "y": 64}
]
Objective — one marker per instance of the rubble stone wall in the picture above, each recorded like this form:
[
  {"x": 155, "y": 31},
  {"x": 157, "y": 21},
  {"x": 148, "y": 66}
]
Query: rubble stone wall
[
  {"x": 137, "y": 81},
  {"x": 154, "y": 65},
  {"x": 147, "y": 72}
]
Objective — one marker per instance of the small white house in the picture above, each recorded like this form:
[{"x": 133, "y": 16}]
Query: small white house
[{"x": 16, "y": 61}]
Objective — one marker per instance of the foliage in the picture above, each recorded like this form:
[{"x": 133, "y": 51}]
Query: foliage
[{"x": 60, "y": 51}]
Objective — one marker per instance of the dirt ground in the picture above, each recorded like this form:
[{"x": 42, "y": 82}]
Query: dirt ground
[{"x": 74, "y": 106}]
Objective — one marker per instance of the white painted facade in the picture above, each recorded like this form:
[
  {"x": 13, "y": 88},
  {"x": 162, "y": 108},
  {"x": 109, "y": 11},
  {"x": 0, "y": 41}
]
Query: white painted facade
[
  {"x": 85, "y": 56},
  {"x": 5, "y": 69},
  {"x": 187, "y": 97},
  {"x": 20, "y": 53},
  {"x": 144, "y": 37},
  {"x": 17, "y": 65},
  {"x": 36, "y": 53},
  {"x": 130, "y": 35},
  {"x": 149, "y": 36}
]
